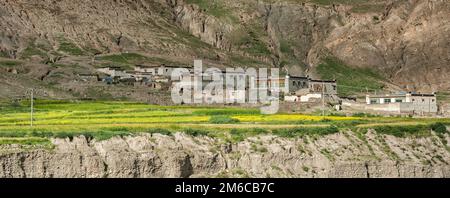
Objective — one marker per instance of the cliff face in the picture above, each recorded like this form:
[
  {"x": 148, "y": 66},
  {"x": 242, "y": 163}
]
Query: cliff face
[
  {"x": 339, "y": 155},
  {"x": 407, "y": 41}
]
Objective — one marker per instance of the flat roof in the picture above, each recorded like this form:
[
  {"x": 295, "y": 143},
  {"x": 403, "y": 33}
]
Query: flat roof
[
  {"x": 323, "y": 81},
  {"x": 387, "y": 96},
  {"x": 401, "y": 95},
  {"x": 424, "y": 95},
  {"x": 302, "y": 77}
]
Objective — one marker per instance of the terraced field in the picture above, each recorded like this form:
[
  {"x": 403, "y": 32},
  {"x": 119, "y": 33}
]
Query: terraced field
[{"x": 105, "y": 119}]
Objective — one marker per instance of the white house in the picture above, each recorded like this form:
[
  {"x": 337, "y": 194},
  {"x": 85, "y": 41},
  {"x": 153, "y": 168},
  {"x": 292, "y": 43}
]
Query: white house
[{"x": 403, "y": 103}]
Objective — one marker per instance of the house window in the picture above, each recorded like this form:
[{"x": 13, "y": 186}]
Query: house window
[
  {"x": 387, "y": 100},
  {"x": 433, "y": 100},
  {"x": 373, "y": 101},
  {"x": 414, "y": 100},
  {"x": 398, "y": 100},
  {"x": 423, "y": 100}
]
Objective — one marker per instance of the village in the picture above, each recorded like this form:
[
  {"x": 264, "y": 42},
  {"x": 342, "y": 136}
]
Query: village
[{"x": 295, "y": 91}]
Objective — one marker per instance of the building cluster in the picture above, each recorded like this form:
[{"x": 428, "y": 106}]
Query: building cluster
[
  {"x": 146, "y": 76},
  {"x": 293, "y": 89}
]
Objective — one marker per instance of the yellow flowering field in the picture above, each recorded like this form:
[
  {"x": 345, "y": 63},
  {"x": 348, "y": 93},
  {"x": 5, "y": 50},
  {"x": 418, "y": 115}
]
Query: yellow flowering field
[
  {"x": 289, "y": 117},
  {"x": 107, "y": 119}
]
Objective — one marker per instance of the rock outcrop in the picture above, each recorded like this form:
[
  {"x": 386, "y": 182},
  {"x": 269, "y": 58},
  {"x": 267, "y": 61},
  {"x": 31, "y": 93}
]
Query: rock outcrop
[{"x": 338, "y": 155}]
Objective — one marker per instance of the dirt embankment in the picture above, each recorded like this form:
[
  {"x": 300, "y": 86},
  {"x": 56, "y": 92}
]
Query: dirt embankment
[{"x": 338, "y": 155}]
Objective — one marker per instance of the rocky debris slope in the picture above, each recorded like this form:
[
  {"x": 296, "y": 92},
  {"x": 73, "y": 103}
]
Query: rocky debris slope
[{"x": 338, "y": 155}]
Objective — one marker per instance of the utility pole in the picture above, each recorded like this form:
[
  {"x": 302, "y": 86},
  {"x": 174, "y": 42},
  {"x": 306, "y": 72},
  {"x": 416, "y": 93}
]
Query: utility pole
[
  {"x": 323, "y": 99},
  {"x": 31, "y": 108}
]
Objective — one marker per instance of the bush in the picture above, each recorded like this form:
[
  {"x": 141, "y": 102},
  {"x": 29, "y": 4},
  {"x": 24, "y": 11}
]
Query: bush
[
  {"x": 439, "y": 128},
  {"x": 349, "y": 123},
  {"x": 43, "y": 134},
  {"x": 237, "y": 135},
  {"x": 403, "y": 131},
  {"x": 196, "y": 132},
  {"x": 223, "y": 120},
  {"x": 105, "y": 135},
  {"x": 25, "y": 141},
  {"x": 12, "y": 134},
  {"x": 294, "y": 132},
  {"x": 259, "y": 131}
]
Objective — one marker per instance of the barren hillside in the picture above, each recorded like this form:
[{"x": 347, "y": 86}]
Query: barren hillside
[{"x": 406, "y": 42}]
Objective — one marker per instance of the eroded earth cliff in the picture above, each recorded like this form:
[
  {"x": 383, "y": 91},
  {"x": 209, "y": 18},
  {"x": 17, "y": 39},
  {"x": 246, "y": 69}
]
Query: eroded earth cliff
[{"x": 339, "y": 155}]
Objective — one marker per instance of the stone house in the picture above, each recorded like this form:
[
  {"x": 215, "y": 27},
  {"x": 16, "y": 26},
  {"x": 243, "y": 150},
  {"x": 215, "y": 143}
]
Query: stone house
[
  {"x": 326, "y": 87},
  {"x": 313, "y": 86},
  {"x": 297, "y": 82},
  {"x": 306, "y": 89}
]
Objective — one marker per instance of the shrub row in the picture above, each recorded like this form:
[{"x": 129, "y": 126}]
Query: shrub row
[
  {"x": 404, "y": 131},
  {"x": 299, "y": 131}
]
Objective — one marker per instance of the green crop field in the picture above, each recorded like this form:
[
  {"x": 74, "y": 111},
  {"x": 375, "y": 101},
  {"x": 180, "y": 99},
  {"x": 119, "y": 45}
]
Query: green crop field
[{"x": 105, "y": 119}]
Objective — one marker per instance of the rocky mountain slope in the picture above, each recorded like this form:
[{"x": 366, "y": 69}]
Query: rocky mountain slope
[
  {"x": 339, "y": 155},
  {"x": 405, "y": 41}
]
